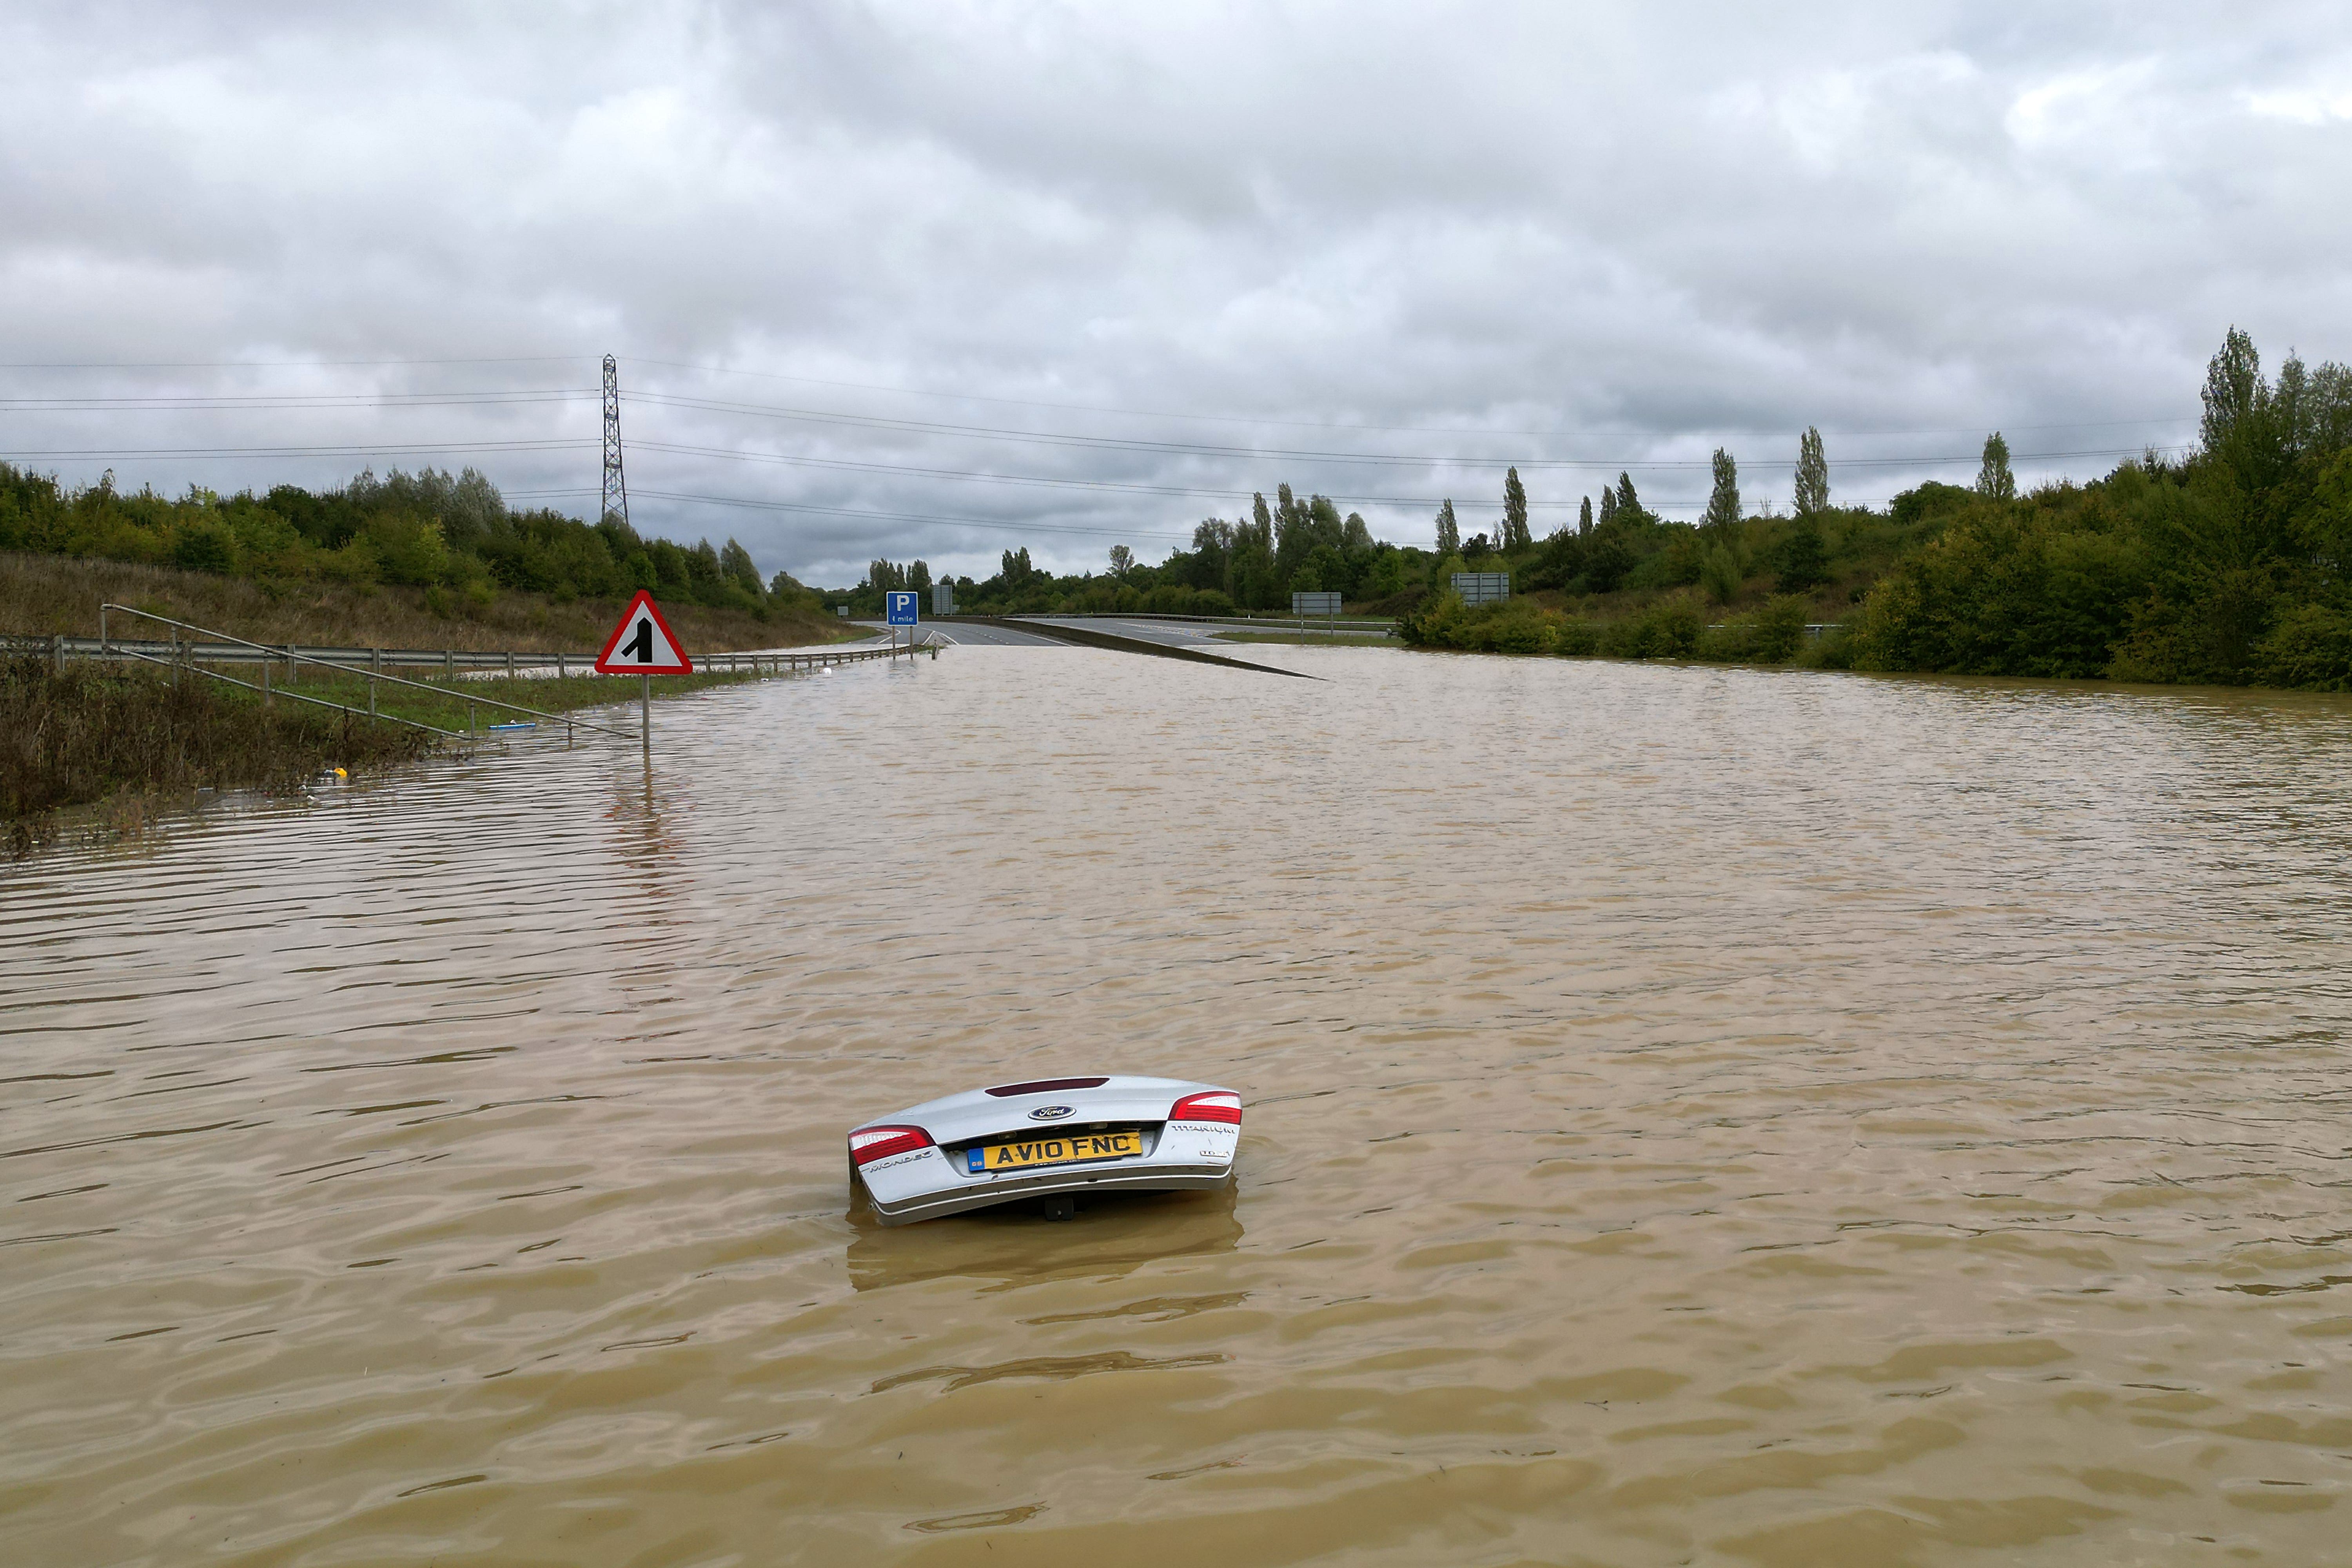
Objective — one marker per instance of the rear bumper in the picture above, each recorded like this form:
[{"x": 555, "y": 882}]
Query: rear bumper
[{"x": 961, "y": 1197}]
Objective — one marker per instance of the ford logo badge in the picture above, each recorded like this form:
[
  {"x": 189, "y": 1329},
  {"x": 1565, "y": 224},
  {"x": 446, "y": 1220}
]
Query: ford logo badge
[{"x": 1050, "y": 1113}]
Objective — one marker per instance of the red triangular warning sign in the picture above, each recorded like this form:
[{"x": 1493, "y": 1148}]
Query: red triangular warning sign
[{"x": 643, "y": 643}]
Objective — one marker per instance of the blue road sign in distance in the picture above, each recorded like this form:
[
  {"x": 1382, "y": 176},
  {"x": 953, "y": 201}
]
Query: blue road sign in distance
[{"x": 902, "y": 609}]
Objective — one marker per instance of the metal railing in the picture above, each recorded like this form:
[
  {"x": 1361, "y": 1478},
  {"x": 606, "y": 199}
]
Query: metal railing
[
  {"x": 451, "y": 662},
  {"x": 183, "y": 656}
]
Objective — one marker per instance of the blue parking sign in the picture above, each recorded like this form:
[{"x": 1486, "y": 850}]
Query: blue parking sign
[{"x": 902, "y": 609}]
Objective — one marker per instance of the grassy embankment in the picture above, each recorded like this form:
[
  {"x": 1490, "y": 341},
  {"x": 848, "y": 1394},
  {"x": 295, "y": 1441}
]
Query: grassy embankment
[{"x": 109, "y": 748}]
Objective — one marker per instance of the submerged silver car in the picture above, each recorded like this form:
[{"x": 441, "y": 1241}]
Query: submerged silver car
[{"x": 1051, "y": 1138}]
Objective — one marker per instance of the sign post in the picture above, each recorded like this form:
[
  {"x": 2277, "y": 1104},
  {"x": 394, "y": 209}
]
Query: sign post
[
  {"x": 1305, "y": 603},
  {"x": 644, "y": 646},
  {"x": 906, "y": 609}
]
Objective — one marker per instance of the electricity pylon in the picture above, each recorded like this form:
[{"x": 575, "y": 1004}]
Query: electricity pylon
[{"x": 616, "y": 490}]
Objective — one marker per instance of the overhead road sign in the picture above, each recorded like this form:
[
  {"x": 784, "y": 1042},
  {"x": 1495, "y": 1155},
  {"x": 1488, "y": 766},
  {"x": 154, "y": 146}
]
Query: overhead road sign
[
  {"x": 904, "y": 608},
  {"x": 643, "y": 644}
]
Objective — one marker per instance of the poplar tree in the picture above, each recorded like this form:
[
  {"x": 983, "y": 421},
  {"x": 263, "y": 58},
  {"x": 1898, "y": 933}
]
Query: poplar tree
[
  {"x": 1516, "y": 533},
  {"x": 1584, "y": 516},
  {"x": 1723, "y": 504},
  {"x": 1994, "y": 481},
  {"x": 1812, "y": 474},
  {"x": 1449, "y": 532},
  {"x": 1626, "y": 500},
  {"x": 1608, "y": 504},
  {"x": 2234, "y": 386}
]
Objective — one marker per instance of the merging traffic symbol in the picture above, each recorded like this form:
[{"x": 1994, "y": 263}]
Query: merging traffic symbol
[{"x": 643, "y": 644}]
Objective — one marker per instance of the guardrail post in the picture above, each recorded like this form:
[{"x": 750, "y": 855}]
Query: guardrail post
[
  {"x": 290, "y": 669},
  {"x": 58, "y": 652},
  {"x": 264, "y": 683},
  {"x": 509, "y": 664},
  {"x": 449, "y": 663},
  {"x": 560, "y": 672},
  {"x": 105, "y": 647}
]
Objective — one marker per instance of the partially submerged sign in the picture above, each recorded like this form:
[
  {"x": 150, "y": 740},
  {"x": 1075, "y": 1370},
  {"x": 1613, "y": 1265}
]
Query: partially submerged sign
[
  {"x": 643, "y": 644},
  {"x": 903, "y": 607}
]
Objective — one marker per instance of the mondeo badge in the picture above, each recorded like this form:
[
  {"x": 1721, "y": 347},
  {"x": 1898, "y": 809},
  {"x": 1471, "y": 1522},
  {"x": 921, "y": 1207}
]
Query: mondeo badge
[{"x": 1049, "y": 1112}]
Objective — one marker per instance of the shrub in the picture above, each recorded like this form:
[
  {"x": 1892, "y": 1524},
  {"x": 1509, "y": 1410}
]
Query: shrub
[
  {"x": 1669, "y": 628},
  {"x": 1719, "y": 574},
  {"x": 1576, "y": 638},
  {"x": 201, "y": 544},
  {"x": 1440, "y": 621},
  {"x": 2311, "y": 648}
]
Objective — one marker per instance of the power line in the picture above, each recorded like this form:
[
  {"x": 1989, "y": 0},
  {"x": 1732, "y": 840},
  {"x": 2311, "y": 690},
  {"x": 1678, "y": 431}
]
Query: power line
[
  {"x": 1186, "y": 448},
  {"x": 349, "y": 449},
  {"x": 278, "y": 402},
  {"x": 1324, "y": 424},
  {"x": 978, "y": 476},
  {"x": 998, "y": 524},
  {"x": 287, "y": 363}
]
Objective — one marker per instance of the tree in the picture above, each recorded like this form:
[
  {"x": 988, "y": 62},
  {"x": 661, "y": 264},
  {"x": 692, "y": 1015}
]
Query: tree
[
  {"x": 2233, "y": 388},
  {"x": 1812, "y": 474},
  {"x": 1515, "y": 534},
  {"x": 1801, "y": 560},
  {"x": 1449, "y": 532},
  {"x": 1994, "y": 481},
  {"x": 1584, "y": 516},
  {"x": 1121, "y": 558},
  {"x": 735, "y": 562},
  {"x": 1626, "y": 500},
  {"x": 1723, "y": 503},
  {"x": 919, "y": 577},
  {"x": 1608, "y": 505}
]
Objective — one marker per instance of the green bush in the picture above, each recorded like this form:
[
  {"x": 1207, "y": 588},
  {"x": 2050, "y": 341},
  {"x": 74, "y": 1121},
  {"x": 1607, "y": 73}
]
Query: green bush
[
  {"x": 2311, "y": 647},
  {"x": 1576, "y": 638},
  {"x": 201, "y": 544},
  {"x": 1667, "y": 628}
]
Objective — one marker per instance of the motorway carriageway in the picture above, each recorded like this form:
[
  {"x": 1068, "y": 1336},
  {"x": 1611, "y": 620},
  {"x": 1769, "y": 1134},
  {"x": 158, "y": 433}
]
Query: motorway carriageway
[{"x": 1177, "y": 634}]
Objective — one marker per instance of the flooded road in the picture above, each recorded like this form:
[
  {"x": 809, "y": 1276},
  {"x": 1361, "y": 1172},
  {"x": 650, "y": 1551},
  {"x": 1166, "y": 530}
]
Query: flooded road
[{"x": 1693, "y": 1116}]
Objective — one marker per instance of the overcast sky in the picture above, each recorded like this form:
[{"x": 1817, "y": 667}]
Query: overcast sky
[{"x": 1190, "y": 251}]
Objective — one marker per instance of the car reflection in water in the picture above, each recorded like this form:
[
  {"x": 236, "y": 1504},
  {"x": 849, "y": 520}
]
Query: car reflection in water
[{"x": 1113, "y": 1234}]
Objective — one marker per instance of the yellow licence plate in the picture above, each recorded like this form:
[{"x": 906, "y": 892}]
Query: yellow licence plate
[{"x": 1066, "y": 1149}]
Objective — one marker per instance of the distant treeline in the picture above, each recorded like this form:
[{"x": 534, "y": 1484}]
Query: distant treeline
[
  {"x": 454, "y": 537},
  {"x": 1255, "y": 564},
  {"x": 2231, "y": 565}
]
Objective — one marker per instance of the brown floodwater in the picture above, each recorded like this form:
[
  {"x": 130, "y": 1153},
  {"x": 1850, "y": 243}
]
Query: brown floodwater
[{"x": 1695, "y": 1115}]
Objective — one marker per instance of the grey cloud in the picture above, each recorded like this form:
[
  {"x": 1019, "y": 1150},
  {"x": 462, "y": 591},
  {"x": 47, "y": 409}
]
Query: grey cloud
[{"x": 1643, "y": 230}]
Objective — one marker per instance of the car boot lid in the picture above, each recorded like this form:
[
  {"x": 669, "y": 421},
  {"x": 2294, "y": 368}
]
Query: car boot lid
[{"x": 1088, "y": 1099}]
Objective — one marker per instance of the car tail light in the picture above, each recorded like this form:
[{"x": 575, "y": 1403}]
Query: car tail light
[
  {"x": 1217, "y": 1105},
  {"x": 868, "y": 1144}
]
